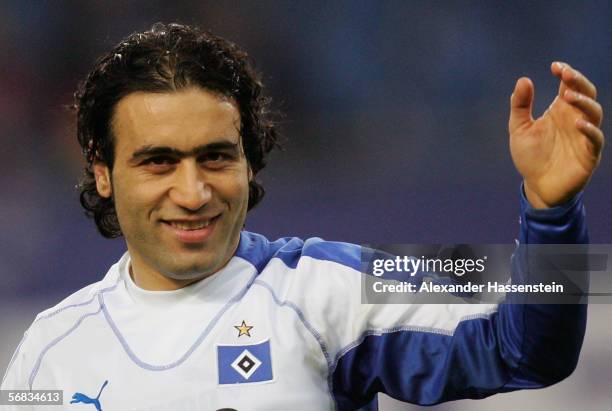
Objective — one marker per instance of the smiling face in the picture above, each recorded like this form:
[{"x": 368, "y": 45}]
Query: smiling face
[{"x": 180, "y": 184}]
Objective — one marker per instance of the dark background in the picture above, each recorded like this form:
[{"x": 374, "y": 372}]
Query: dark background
[{"x": 395, "y": 125}]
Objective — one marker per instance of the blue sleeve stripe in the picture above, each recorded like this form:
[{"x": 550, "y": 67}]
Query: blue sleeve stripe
[
  {"x": 346, "y": 254},
  {"x": 429, "y": 366},
  {"x": 258, "y": 251}
]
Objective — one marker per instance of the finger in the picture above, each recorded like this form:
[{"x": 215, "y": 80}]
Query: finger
[
  {"x": 589, "y": 107},
  {"x": 521, "y": 103},
  {"x": 577, "y": 81},
  {"x": 557, "y": 69},
  {"x": 594, "y": 134},
  {"x": 573, "y": 79}
]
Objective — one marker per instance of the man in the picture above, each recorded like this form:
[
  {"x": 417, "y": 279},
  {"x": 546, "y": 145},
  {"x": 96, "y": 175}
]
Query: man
[{"x": 200, "y": 314}]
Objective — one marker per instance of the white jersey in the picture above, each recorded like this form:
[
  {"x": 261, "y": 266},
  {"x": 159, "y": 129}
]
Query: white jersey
[{"x": 280, "y": 327}]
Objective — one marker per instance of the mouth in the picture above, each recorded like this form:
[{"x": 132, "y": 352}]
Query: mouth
[{"x": 191, "y": 230}]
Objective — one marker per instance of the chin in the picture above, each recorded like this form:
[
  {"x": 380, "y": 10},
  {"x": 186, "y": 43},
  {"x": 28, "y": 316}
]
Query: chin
[{"x": 189, "y": 272}]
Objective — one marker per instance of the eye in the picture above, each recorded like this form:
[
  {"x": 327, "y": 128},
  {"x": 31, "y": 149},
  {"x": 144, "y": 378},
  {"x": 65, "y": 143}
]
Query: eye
[
  {"x": 159, "y": 160},
  {"x": 214, "y": 159}
]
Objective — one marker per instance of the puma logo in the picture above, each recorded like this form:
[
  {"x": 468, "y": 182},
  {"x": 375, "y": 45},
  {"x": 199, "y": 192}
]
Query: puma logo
[{"x": 78, "y": 397}]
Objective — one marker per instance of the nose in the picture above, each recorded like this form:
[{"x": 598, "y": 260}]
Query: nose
[{"x": 189, "y": 189}]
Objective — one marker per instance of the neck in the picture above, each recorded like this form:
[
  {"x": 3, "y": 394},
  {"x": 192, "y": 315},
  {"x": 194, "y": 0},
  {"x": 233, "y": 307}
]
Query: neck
[{"x": 158, "y": 282}]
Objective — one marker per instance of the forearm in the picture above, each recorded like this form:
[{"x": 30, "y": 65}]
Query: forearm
[{"x": 543, "y": 341}]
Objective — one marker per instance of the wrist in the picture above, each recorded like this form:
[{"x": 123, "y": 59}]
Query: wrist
[{"x": 533, "y": 198}]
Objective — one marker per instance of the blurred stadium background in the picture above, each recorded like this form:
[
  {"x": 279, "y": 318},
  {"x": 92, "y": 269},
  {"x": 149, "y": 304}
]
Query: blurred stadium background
[{"x": 395, "y": 121}]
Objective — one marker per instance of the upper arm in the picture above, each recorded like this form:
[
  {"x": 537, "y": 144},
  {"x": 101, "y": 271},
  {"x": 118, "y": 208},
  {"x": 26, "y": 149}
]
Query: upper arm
[{"x": 15, "y": 377}]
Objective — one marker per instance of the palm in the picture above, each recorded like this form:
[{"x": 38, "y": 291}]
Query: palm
[{"x": 553, "y": 154}]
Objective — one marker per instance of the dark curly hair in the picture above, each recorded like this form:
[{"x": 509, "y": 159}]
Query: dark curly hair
[{"x": 164, "y": 59}]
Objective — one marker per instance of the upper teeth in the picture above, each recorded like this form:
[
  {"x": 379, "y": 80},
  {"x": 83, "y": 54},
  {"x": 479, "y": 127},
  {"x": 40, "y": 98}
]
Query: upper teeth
[{"x": 190, "y": 225}]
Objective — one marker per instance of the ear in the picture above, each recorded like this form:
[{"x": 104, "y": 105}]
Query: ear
[
  {"x": 103, "y": 179},
  {"x": 250, "y": 171}
]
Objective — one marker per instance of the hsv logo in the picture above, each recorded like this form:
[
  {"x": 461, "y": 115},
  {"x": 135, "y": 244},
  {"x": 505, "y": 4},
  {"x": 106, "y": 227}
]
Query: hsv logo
[
  {"x": 78, "y": 397},
  {"x": 244, "y": 363}
]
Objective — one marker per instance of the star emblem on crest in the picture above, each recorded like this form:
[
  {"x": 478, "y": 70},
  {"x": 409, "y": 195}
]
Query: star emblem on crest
[{"x": 243, "y": 329}]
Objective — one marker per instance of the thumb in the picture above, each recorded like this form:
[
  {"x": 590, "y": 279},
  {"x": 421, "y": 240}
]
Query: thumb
[{"x": 521, "y": 104}]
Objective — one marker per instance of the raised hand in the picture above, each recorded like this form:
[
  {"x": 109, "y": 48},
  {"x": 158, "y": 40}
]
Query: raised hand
[{"x": 557, "y": 153}]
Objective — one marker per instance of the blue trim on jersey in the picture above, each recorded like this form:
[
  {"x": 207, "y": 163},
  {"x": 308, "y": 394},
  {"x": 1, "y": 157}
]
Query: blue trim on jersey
[
  {"x": 425, "y": 368},
  {"x": 257, "y": 250},
  {"x": 353, "y": 348},
  {"x": 342, "y": 253}
]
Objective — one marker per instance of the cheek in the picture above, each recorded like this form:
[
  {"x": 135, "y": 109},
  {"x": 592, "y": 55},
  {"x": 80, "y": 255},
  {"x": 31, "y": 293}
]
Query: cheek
[
  {"x": 233, "y": 187},
  {"x": 134, "y": 201},
  {"x": 241, "y": 191}
]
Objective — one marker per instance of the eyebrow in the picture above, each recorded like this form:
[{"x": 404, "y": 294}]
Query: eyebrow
[{"x": 150, "y": 150}]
